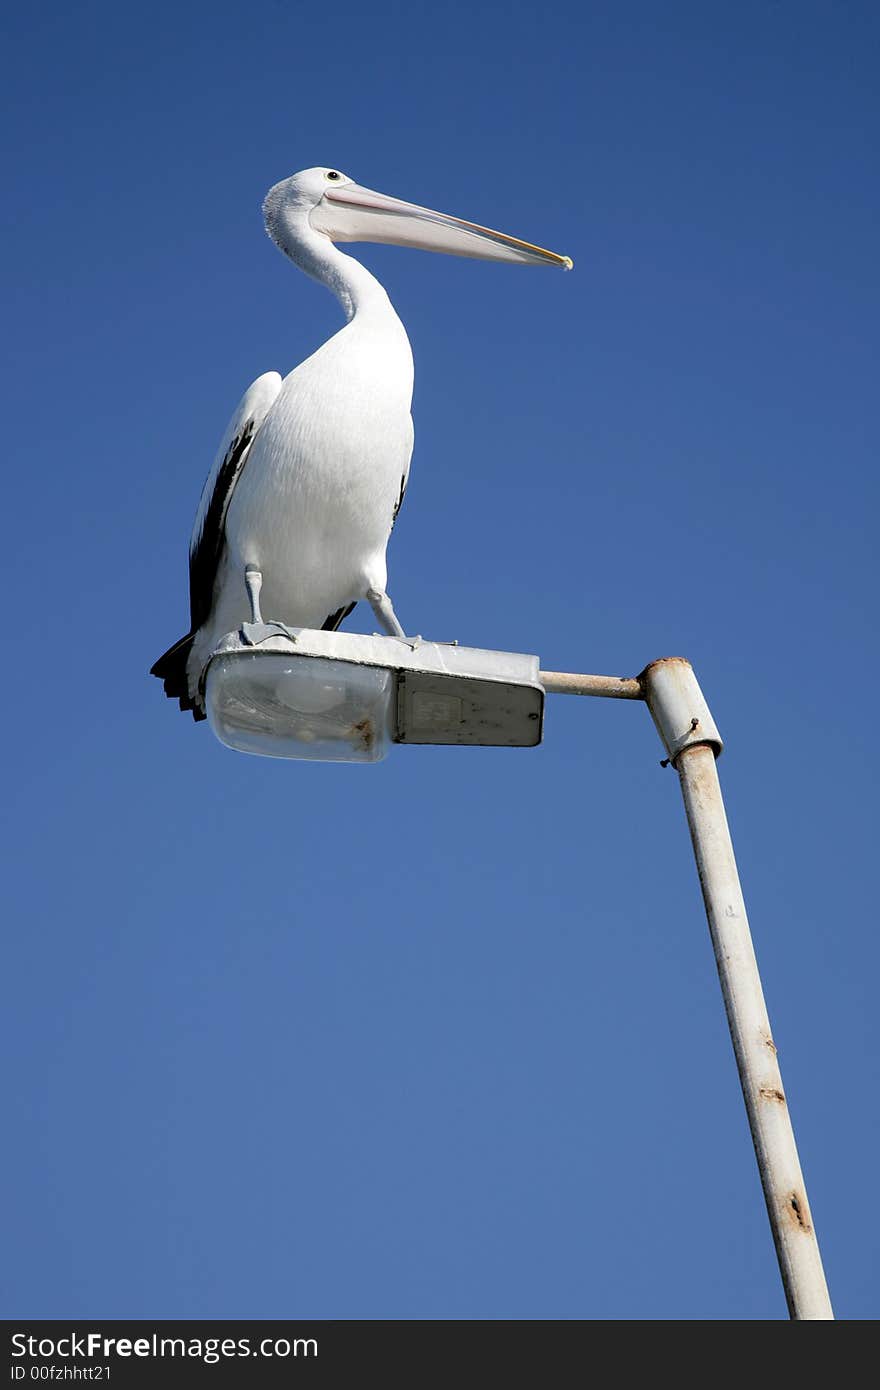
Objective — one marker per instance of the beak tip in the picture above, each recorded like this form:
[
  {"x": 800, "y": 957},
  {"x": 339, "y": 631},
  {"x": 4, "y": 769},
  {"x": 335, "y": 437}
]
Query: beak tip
[{"x": 567, "y": 263}]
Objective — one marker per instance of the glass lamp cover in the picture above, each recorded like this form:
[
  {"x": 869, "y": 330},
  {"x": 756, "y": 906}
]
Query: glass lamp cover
[{"x": 293, "y": 706}]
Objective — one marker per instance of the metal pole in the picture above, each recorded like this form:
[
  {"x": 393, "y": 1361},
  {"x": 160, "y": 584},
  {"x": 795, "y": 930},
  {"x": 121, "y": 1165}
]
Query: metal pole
[
  {"x": 612, "y": 687},
  {"x": 692, "y": 742}
]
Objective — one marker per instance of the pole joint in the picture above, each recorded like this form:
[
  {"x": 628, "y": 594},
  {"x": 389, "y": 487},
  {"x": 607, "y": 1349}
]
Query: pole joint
[{"x": 678, "y": 708}]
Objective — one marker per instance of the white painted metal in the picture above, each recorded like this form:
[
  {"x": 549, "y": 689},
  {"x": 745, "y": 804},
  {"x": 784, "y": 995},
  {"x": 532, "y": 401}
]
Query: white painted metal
[
  {"x": 692, "y": 742},
  {"x": 677, "y": 706},
  {"x": 401, "y": 654}
]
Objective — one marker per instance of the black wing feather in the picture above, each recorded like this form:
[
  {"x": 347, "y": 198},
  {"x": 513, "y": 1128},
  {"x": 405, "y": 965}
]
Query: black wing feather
[
  {"x": 332, "y": 623},
  {"x": 204, "y": 560},
  {"x": 397, "y": 508}
]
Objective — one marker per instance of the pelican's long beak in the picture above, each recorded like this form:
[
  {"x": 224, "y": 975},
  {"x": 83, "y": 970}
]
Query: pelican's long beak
[{"x": 352, "y": 213}]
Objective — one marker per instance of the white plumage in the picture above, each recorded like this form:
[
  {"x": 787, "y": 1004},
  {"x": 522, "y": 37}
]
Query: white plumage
[{"x": 312, "y": 469}]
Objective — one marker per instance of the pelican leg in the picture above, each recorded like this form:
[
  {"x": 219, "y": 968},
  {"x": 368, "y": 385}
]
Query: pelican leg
[
  {"x": 257, "y": 630},
  {"x": 383, "y": 608},
  {"x": 253, "y": 582}
]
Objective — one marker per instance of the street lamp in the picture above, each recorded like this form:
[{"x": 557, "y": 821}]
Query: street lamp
[{"x": 344, "y": 697}]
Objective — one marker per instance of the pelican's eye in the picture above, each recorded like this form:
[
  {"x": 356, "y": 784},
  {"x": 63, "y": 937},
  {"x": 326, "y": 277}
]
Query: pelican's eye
[{"x": 332, "y": 174}]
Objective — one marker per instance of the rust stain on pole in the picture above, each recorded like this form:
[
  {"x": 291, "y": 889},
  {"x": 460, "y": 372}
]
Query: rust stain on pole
[
  {"x": 799, "y": 1212},
  {"x": 772, "y": 1093}
]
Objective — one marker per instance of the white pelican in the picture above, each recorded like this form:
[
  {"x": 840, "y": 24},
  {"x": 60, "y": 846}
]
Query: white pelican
[{"x": 312, "y": 470}]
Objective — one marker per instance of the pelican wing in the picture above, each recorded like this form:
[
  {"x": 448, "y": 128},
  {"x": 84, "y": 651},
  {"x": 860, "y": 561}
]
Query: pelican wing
[{"x": 206, "y": 545}]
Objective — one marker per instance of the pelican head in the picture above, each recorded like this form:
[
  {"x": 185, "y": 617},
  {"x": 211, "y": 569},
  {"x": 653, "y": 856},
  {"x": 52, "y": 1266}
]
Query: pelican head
[{"x": 329, "y": 202}]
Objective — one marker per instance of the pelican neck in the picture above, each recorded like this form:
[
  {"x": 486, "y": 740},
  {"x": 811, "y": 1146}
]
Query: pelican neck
[{"x": 353, "y": 285}]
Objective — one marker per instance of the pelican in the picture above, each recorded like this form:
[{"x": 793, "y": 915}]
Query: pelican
[{"x": 296, "y": 513}]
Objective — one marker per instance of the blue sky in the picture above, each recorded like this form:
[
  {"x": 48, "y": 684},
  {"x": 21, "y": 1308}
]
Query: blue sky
[{"x": 443, "y": 1037}]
